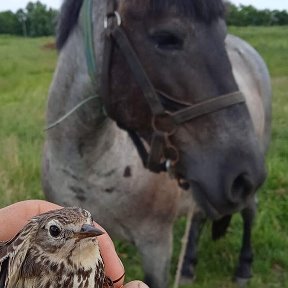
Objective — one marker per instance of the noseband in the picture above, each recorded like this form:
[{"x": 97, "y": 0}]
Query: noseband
[{"x": 162, "y": 153}]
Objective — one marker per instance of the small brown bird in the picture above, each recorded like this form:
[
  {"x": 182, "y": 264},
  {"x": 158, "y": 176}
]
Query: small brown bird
[{"x": 58, "y": 249}]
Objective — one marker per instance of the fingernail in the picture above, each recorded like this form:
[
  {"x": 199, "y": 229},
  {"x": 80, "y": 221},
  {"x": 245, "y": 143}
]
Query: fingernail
[
  {"x": 142, "y": 285},
  {"x": 136, "y": 284},
  {"x": 121, "y": 263}
]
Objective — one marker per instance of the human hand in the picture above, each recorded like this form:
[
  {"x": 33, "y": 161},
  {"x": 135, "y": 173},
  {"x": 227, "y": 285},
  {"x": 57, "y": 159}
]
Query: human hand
[{"x": 13, "y": 218}]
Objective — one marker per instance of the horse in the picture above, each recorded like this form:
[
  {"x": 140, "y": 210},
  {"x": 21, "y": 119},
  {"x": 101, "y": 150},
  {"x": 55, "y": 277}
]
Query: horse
[{"x": 160, "y": 112}]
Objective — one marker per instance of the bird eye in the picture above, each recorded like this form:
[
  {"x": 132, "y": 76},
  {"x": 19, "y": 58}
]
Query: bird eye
[{"x": 54, "y": 231}]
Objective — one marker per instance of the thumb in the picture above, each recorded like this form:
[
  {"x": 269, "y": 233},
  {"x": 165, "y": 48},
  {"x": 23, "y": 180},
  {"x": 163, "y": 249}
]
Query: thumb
[{"x": 135, "y": 284}]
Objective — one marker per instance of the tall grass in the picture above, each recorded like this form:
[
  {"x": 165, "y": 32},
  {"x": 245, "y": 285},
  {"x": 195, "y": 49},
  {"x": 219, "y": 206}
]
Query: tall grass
[
  {"x": 26, "y": 69},
  {"x": 25, "y": 73}
]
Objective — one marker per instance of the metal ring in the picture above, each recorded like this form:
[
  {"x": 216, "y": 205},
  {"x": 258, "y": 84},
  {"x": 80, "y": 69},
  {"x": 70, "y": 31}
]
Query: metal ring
[
  {"x": 168, "y": 164},
  {"x": 110, "y": 15},
  {"x": 172, "y": 150},
  {"x": 168, "y": 116}
]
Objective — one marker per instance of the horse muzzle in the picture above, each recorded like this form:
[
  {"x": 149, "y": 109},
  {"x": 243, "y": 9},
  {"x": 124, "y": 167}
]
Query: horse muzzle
[{"x": 223, "y": 193}]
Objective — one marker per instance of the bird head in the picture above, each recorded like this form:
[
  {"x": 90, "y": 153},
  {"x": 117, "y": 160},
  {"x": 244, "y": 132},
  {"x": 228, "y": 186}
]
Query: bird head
[
  {"x": 60, "y": 241},
  {"x": 61, "y": 231}
]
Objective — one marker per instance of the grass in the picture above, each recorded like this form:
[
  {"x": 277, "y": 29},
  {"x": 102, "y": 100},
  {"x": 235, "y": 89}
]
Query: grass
[{"x": 25, "y": 73}]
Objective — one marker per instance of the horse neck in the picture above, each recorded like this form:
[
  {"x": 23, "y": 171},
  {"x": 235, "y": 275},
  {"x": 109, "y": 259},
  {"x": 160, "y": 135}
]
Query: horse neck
[{"x": 72, "y": 84}]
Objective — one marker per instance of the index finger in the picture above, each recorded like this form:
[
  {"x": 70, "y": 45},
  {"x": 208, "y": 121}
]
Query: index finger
[{"x": 114, "y": 268}]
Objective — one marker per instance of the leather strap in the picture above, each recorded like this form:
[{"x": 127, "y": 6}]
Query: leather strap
[
  {"x": 156, "y": 153},
  {"x": 111, "y": 7},
  {"x": 138, "y": 72},
  {"x": 154, "y": 165},
  {"x": 152, "y": 161},
  {"x": 105, "y": 73},
  {"x": 208, "y": 107}
]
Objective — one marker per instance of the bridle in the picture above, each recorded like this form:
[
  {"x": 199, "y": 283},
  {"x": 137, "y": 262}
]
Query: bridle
[{"x": 163, "y": 154}]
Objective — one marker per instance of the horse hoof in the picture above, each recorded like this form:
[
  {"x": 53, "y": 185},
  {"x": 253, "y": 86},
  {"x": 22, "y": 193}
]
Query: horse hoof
[
  {"x": 241, "y": 282},
  {"x": 186, "y": 280}
]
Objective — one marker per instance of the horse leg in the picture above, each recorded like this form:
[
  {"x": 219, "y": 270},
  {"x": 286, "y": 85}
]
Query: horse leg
[
  {"x": 156, "y": 250},
  {"x": 244, "y": 269},
  {"x": 190, "y": 258}
]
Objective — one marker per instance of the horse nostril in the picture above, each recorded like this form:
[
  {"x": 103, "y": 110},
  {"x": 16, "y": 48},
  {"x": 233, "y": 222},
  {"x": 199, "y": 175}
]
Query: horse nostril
[{"x": 241, "y": 189}]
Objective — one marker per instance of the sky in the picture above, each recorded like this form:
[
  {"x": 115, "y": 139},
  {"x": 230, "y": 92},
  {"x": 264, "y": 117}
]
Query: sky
[{"x": 260, "y": 4}]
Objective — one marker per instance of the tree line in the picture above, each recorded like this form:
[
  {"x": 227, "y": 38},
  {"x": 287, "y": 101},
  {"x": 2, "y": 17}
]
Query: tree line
[
  {"x": 250, "y": 16},
  {"x": 33, "y": 21},
  {"x": 39, "y": 20}
]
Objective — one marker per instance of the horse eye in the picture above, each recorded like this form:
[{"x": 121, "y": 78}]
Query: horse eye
[
  {"x": 167, "y": 41},
  {"x": 54, "y": 231}
]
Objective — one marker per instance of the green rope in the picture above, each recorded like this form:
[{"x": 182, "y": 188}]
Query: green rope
[
  {"x": 87, "y": 21},
  {"x": 77, "y": 107}
]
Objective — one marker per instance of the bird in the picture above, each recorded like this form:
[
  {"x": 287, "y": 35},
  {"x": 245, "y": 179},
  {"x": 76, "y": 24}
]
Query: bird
[{"x": 55, "y": 249}]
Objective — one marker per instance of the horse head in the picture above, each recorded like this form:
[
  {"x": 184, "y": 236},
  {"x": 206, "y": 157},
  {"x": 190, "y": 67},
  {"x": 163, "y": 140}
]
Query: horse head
[{"x": 181, "y": 48}]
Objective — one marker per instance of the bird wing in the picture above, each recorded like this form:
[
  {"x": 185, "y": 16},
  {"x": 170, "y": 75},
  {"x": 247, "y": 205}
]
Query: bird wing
[
  {"x": 4, "y": 261},
  {"x": 13, "y": 252},
  {"x": 108, "y": 283},
  {"x": 3, "y": 272}
]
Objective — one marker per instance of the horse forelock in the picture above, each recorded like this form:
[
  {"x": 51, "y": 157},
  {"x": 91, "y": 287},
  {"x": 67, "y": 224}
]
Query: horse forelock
[{"x": 203, "y": 10}]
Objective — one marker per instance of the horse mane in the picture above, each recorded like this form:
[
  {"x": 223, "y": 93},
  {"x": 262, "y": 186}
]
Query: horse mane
[
  {"x": 203, "y": 10},
  {"x": 67, "y": 20}
]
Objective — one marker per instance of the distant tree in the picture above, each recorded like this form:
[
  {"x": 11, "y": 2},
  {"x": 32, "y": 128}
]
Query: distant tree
[
  {"x": 37, "y": 20},
  {"x": 9, "y": 23},
  {"x": 249, "y": 15},
  {"x": 40, "y": 20},
  {"x": 22, "y": 18},
  {"x": 279, "y": 17},
  {"x": 233, "y": 16}
]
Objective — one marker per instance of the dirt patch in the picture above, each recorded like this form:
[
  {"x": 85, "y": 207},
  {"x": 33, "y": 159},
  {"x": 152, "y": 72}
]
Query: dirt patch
[{"x": 49, "y": 46}]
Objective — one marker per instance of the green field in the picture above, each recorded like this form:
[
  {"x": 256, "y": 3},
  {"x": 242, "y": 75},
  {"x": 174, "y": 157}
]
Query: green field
[{"x": 26, "y": 69}]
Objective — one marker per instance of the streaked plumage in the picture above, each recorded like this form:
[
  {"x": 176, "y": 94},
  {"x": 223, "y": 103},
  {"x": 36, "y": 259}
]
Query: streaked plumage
[{"x": 54, "y": 250}]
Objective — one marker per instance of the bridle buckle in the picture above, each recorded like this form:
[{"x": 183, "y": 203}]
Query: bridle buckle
[
  {"x": 110, "y": 16},
  {"x": 164, "y": 123}
]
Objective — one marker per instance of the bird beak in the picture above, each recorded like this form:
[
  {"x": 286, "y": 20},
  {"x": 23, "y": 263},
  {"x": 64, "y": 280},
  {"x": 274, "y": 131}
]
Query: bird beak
[{"x": 88, "y": 231}]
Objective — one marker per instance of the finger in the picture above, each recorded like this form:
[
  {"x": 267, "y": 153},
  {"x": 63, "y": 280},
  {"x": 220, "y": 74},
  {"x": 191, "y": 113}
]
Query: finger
[
  {"x": 44, "y": 206},
  {"x": 14, "y": 217},
  {"x": 114, "y": 268},
  {"x": 135, "y": 284}
]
